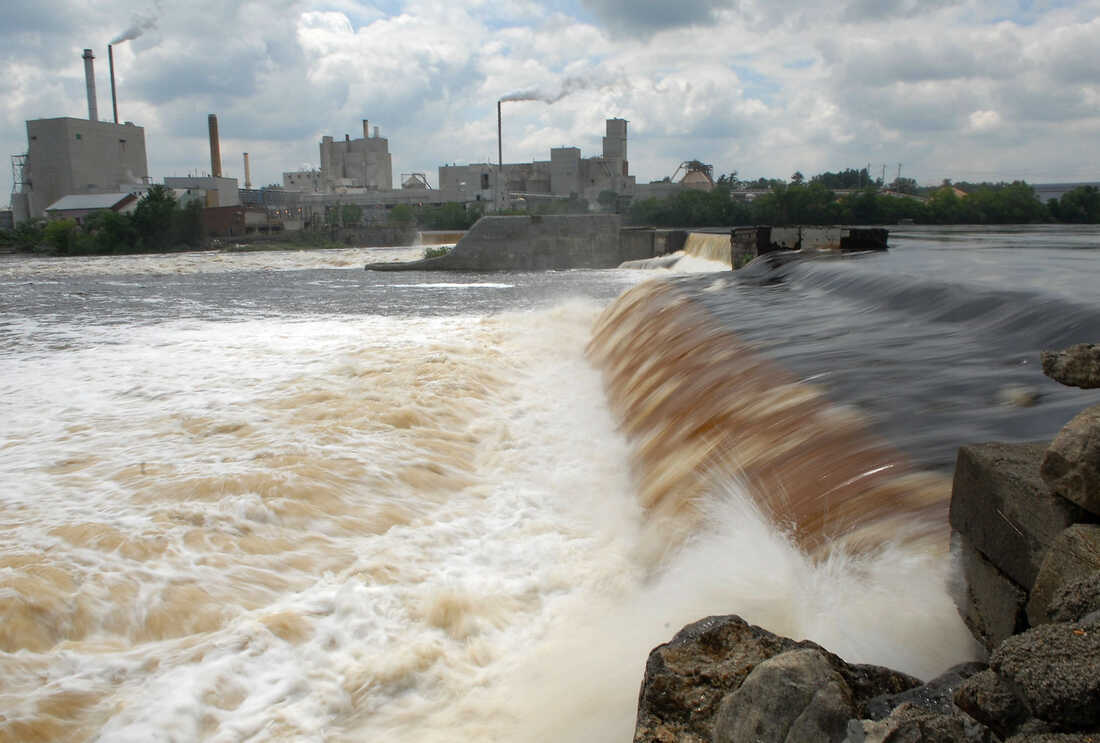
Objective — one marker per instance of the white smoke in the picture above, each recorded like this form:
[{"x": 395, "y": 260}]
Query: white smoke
[
  {"x": 140, "y": 26},
  {"x": 569, "y": 86}
]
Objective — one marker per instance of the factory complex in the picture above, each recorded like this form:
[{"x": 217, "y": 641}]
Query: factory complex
[{"x": 75, "y": 166}]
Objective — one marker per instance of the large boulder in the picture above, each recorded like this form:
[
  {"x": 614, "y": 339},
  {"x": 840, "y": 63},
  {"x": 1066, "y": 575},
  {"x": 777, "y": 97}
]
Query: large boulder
[
  {"x": 1050, "y": 673},
  {"x": 1073, "y": 557},
  {"x": 791, "y": 697},
  {"x": 1071, "y": 466},
  {"x": 1002, "y": 506},
  {"x": 1077, "y": 366},
  {"x": 687, "y": 679},
  {"x": 1076, "y": 600}
]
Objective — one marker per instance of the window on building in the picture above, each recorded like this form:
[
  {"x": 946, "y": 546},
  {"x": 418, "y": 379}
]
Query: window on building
[
  {"x": 484, "y": 181},
  {"x": 78, "y": 135}
]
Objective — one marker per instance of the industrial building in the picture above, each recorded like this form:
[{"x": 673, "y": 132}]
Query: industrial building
[
  {"x": 565, "y": 174},
  {"x": 348, "y": 166},
  {"x": 67, "y": 156}
]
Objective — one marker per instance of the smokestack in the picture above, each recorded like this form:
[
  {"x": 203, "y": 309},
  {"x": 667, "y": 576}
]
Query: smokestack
[
  {"x": 247, "y": 173},
  {"x": 111, "y": 64},
  {"x": 89, "y": 78},
  {"x": 366, "y": 129},
  {"x": 376, "y": 132},
  {"x": 500, "y": 158},
  {"x": 215, "y": 147}
]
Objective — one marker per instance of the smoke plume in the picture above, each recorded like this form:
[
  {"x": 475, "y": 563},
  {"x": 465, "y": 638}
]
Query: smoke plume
[
  {"x": 569, "y": 86},
  {"x": 141, "y": 25}
]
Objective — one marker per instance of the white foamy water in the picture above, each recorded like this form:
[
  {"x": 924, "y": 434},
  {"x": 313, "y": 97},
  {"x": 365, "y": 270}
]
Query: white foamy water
[
  {"x": 370, "y": 528},
  {"x": 208, "y": 261}
]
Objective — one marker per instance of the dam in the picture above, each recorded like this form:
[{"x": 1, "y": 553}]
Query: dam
[{"x": 557, "y": 242}]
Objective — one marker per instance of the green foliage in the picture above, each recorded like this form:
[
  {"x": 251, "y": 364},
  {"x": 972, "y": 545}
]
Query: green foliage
[
  {"x": 691, "y": 208},
  {"x": 27, "y": 237},
  {"x": 402, "y": 214},
  {"x": 449, "y": 216},
  {"x": 1080, "y": 205},
  {"x": 846, "y": 179},
  {"x": 351, "y": 215},
  {"x": 158, "y": 224},
  {"x": 436, "y": 252},
  {"x": 62, "y": 236},
  {"x": 904, "y": 185}
]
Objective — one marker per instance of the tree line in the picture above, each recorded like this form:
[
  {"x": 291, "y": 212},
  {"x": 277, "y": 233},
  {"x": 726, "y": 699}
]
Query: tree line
[
  {"x": 158, "y": 224},
  {"x": 815, "y": 202}
]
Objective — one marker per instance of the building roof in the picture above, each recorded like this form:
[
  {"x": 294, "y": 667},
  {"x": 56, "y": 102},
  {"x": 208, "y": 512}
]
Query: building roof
[{"x": 89, "y": 201}]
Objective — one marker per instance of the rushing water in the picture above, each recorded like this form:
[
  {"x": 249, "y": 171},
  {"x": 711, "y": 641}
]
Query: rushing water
[{"x": 270, "y": 496}]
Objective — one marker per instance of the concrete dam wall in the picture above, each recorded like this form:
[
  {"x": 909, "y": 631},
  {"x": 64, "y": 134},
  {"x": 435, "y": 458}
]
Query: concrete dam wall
[{"x": 534, "y": 243}]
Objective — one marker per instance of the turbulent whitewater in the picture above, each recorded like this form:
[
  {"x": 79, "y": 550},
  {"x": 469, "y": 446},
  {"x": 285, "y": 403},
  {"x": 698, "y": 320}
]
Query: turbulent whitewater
[{"x": 271, "y": 497}]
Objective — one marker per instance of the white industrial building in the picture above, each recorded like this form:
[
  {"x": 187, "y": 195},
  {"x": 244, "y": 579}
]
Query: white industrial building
[
  {"x": 67, "y": 156},
  {"x": 347, "y": 166},
  {"x": 566, "y": 173}
]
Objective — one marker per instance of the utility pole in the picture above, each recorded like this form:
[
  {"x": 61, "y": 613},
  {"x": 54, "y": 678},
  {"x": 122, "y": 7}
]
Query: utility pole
[
  {"x": 899, "y": 173},
  {"x": 884, "y": 174}
]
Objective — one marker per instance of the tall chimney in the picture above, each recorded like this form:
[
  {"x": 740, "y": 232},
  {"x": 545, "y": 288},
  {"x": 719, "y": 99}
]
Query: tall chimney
[
  {"x": 247, "y": 173},
  {"x": 366, "y": 129},
  {"x": 376, "y": 132},
  {"x": 500, "y": 161},
  {"x": 111, "y": 64},
  {"x": 89, "y": 78},
  {"x": 215, "y": 147}
]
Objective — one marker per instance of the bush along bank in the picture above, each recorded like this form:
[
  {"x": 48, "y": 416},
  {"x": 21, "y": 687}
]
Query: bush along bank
[
  {"x": 1026, "y": 532},
  {"x": 158, "y": 224}
]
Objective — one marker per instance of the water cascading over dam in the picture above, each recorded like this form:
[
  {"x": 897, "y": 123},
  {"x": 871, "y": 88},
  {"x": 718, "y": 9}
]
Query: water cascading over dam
[{"x": 702, "y": 407}]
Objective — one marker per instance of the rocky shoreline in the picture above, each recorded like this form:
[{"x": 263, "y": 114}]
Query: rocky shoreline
[{"x": 1025, "y": 522}]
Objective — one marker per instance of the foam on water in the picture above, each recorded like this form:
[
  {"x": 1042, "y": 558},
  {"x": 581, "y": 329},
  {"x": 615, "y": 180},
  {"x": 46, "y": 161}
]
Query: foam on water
[{"x": 377, "y": 528}]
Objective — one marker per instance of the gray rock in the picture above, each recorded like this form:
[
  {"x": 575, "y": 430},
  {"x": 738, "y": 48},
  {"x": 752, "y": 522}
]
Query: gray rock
[
  {"x": 989, "y": 700},
  {"x": 1055, "y": 670},
  {"x": 687, "y": 678},
  {"x": 1002, "y": 506},
  {"x": 910, "y": 723},
  {"x": 792, "y": 697},
  {"x": 1074, "y": 556},
  {"x": 1093, "y": 737},
  {"x": 1077, "y": 366},
  {"x": 1071, "y": 466},
  {"x": 1075, "y": 600},
  {"x": 935, "y": 696},
  {"x": 993, "y": 607}
]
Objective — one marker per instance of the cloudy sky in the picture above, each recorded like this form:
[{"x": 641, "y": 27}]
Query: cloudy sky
[{"x": 963, "y": 89}]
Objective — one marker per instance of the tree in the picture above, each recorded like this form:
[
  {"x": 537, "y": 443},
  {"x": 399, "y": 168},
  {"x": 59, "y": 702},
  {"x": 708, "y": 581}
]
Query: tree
[
  {"x": 402, "y": 214},
  {"x": 797, "y": 178},
  {"x": 350, "y": 215},
  {"x": 1081, "y": 204},
  {"x": 904, "y": 185},
  {"x": 153, "y": 218}
]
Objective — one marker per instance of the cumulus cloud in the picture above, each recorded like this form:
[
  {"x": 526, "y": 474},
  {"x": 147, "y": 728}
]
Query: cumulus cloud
[{"x": 952, "y": 88}]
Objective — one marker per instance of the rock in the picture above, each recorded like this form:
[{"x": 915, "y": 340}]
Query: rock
[
  {"x": 989, "y": 700},
  {"x": 1018, "y": 396},
  {"x": 1075, "y": 600},
  {"x": 1055, "y": 670},
  {"x": 1077, "y": 366},
  {"x": 1074, "y": 556},
  {"x": 1002, "y": 506},
  {"x": 792, "y": 697},
  {"x": 935, "y": 696},
  {"x": 1071, "y": 466},
  {"x": 910, "y": 723},
  {"x": 687, "y": 678},
  {"x": 1093, "y": 737},
  {"x": 993, "y": 607}
]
